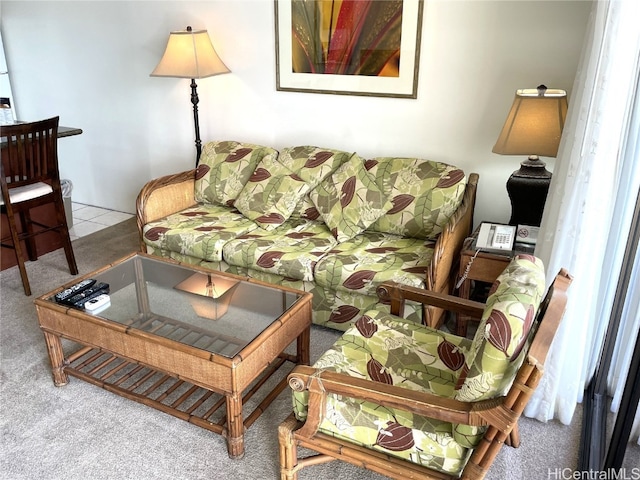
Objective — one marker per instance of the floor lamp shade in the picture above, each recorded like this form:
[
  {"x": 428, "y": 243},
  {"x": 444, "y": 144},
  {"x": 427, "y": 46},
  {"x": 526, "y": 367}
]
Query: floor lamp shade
[
  {"x": 534, "y": 128},
  {"x": 190, "y": 54}
]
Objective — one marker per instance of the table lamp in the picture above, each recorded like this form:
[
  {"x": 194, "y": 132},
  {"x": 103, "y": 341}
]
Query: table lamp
[
  {"x": 533, "y": 127},
  {"x": 190, "y": 54}
]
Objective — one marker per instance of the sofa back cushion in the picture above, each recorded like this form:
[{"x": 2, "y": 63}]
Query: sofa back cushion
[
  {"x": 224, "y": 169},
  {"x": 279, "y": 184},
  {"x": 349, "y": 200},
  {"x": 312, "y": 164},
  {"x": 271, "y": 194},
  {"x": 424, "y": 193}
]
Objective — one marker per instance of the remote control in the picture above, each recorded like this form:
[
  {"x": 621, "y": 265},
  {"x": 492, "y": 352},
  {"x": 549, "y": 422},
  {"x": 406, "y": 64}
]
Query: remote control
[
  {"x": 99, "y": 287},
  {"x": 97, "y": 303},
  {"x": 81, "y": 303},
  {"x": 74, "y": 289}
]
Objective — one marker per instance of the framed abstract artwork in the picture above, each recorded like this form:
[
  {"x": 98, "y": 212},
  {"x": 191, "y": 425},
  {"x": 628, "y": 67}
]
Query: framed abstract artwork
[{"x": 349, "y": 47}]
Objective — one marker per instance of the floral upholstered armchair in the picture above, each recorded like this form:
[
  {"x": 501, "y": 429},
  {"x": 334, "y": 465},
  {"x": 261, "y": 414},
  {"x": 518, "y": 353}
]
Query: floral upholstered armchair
[{"x": 409, "y": 401}]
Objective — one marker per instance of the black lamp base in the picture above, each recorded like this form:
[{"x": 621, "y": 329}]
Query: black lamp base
[
  {"x": 528, "y": 188},
  {"x": 196, "y": 121}
]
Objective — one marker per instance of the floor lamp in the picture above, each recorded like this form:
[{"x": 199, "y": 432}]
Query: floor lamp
[{"x": 190, "y": 54}]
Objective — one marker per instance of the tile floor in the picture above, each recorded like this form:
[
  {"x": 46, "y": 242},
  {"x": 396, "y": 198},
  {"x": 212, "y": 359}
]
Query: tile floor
[{"x": 88, "y": 219}]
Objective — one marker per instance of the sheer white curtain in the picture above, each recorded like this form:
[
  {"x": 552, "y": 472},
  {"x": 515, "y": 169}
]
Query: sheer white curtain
[{"x": 590, "y": 175}]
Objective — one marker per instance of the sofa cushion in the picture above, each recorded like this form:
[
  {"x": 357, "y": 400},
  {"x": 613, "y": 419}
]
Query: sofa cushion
[
  {"x": 224, "y": 168},
  {"x": 292, "y": 251},
  {"x": 349, "y": 200},
  {"x": 306, "y": 209},
  {"x": 425, "y": 194},
  {"x": 339, "y": 309},
  {"x": 199, "y": 231},
  {"x": 312, "y": 164},
  {"x": 371, "y": 258},
  {"x": 503, "y": 330},
  {"x": 271, "y": 194},
  {"x": 388, "y": 349}
]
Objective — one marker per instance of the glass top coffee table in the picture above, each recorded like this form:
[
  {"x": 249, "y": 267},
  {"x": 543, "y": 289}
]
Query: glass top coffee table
[{"x": 182, "y": 339}]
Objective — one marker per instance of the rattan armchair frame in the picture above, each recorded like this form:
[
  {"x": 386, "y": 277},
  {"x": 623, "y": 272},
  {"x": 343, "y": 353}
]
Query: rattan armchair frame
[{"x": 500, "y": 415}]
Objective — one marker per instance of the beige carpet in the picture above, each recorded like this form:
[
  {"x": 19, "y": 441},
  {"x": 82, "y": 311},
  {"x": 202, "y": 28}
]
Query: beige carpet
[{"x": 82, "y": 432}]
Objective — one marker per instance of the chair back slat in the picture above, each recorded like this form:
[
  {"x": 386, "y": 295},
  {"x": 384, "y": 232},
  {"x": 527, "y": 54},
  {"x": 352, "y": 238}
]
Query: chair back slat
[{"x": 29, "y": 152}]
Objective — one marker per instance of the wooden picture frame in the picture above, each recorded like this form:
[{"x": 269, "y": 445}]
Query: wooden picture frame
[{"x": 367, "y": 47}]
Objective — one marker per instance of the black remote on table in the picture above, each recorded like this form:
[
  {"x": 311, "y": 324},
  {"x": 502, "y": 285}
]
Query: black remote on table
[
  {"x": 73, "y": 290},
  {"x": 99, "y": 287}
]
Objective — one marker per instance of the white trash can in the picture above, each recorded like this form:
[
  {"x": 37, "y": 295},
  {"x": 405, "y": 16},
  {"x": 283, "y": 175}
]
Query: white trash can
[{"x": 67, "y": 186}]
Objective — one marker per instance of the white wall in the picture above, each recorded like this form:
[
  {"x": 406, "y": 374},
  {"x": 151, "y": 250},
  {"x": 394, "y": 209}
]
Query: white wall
[{"x": 89, "y": 62}]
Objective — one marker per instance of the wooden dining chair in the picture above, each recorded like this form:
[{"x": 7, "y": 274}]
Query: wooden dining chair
[
  {"x": 408, "y": 401},
  {"x": 30, "y": 179}
]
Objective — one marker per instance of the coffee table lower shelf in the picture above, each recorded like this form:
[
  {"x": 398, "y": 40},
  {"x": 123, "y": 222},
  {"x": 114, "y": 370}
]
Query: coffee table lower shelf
[{"x": 168, "y": 393}]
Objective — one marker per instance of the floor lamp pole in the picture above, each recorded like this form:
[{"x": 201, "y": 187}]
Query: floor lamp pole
[{"x": 194, "y": 101}]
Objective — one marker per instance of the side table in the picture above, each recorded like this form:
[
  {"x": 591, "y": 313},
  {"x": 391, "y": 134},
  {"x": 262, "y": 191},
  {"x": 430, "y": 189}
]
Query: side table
[{"x": 480, "y": 266}]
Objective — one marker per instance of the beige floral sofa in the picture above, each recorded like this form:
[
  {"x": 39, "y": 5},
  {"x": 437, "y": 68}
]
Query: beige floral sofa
[{"x": 316, "y": 219}]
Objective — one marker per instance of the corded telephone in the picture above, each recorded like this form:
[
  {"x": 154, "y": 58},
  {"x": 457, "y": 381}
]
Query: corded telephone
[{"x": 493, "y": 237}]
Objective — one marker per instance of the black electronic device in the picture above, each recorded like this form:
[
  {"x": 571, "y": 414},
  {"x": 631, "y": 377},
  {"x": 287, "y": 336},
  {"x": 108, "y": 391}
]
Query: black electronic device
[
  {"x": 99, "y": 287},
  {"x": 74, "y": 290}
]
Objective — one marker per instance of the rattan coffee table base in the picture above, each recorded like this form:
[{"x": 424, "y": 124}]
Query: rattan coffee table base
[
  {"x": 168, "y": 393},
  {"x": 190, "y": 367}
]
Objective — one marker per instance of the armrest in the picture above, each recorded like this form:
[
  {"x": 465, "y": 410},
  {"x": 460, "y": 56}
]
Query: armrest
[
  {"x": 321, "y": 383},
  {"x": 163, "y": 196},
  {"x": 396, "y": 294},
  {"x": 446, "y": 252}
]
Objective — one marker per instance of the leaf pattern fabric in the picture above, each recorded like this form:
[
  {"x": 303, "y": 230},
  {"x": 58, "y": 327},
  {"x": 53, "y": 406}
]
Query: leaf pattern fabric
[
  {"x": 391, "y": 350},
  {"x": 224, "y": 168},
  {"x": 424, "y": 195},
  {"x": 497, "y": 349},
  {"x": 349, "y": 200},
  {"x": 292, "y": 252},
  {"x": 313, "y": 164},
  {"x": 255, "y": 216},
  {"x": 198, "y": 232},
  {"x": 504, "y": 326},
  {"x": 387, "y": 349},
  {"x": 369, "y": 259},
  {"x": 271, "y": 194}
]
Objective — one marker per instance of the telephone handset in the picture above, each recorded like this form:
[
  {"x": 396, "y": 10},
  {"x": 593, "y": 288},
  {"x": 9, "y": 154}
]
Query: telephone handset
[
  {"x": 495, "y": 237},
  {"x": 492, "y": 238}
]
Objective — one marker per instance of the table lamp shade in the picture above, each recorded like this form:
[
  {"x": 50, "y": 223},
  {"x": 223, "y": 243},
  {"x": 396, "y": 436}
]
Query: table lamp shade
[
  {"x": 189, "y": 54},
  {"x": 534, "y": 124},
  {"x": 533, "y": 128}
]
